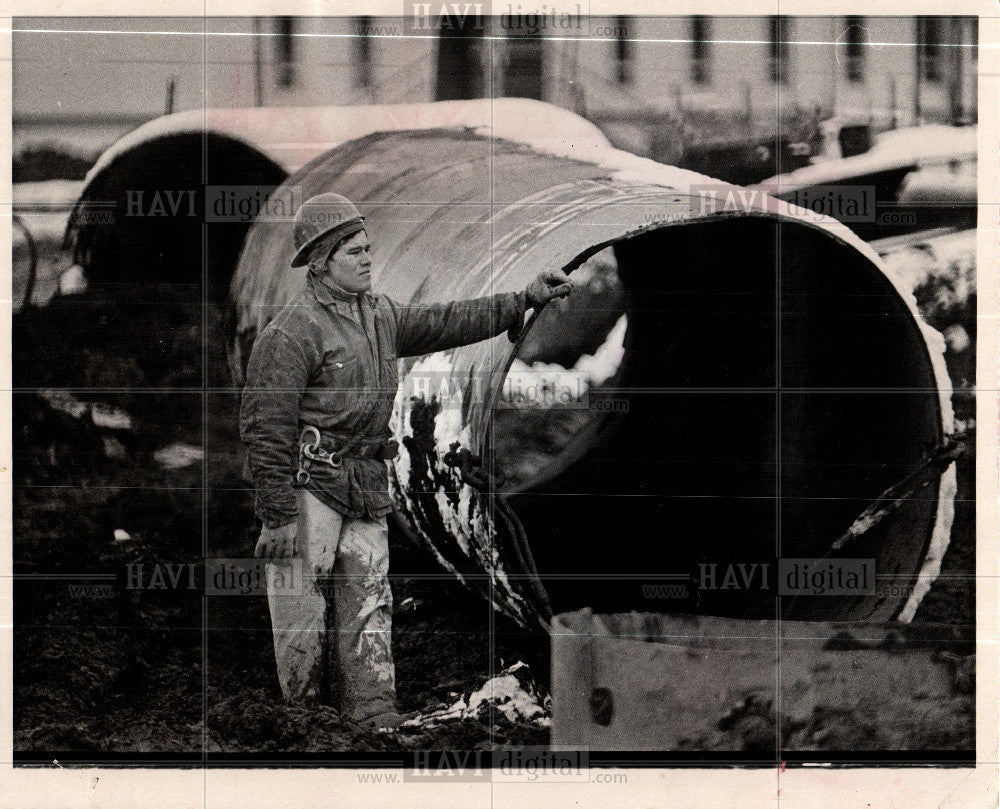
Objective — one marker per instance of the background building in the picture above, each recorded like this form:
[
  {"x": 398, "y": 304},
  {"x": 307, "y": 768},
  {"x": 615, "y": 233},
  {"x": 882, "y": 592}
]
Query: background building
[{"x": 657, "y": 85}]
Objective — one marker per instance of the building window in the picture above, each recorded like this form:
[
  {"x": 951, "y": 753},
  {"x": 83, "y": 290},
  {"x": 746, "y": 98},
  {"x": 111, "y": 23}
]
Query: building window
[
  {"x": 854, "y": 49},
  {"x": 778, "y": 49},
  {"x": 700, "y": 35},
  {"x": 286, "y": 50},
  {"x": 460, "y": 56},
  {"x": 929, "y": 49},
  {"x": 362, "y": 52},
  {"x": 524, "y": 69},
  {"x": 623, "y": 50}
]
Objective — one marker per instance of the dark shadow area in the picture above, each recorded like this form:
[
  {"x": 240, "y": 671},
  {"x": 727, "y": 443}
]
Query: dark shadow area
[
  {"x": 162, "y": 191},
  {"x": 684, "y": 475}
]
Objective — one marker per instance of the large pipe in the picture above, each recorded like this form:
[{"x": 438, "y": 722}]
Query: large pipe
[
  {"x": 161, "y": 179},
  {"x": 746, "y": 339},
  {"x": 776, "y": 379}
]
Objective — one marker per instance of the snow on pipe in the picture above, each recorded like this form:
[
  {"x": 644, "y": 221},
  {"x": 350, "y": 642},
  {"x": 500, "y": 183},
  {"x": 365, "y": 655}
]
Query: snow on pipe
[{"x": 758, "y": 338}]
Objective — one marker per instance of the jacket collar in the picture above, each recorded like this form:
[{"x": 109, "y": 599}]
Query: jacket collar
[{"x": 332, "y": 296}]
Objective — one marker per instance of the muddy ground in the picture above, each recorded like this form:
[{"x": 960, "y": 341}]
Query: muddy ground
[{"x": 103, "y": 667}]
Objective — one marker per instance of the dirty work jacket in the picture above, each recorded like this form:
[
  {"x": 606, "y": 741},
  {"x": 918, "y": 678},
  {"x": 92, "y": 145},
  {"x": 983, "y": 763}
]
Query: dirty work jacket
[{"x": 314, "y": 364}]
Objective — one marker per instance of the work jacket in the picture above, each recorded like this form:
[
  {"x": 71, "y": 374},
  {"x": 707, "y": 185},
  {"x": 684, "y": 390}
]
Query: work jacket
[{"x": 315, "y": 364}]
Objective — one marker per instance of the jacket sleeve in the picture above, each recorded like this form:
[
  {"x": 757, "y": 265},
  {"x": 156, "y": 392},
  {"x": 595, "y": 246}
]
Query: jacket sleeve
[
  {"x": 423, "y": 329},
  {"x": 277, "y": 375}
]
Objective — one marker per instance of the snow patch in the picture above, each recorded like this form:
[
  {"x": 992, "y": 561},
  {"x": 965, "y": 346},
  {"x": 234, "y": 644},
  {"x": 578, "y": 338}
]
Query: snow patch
[
  {"x": 940, "y": 539},
  {"x": 957, "y": 338},
  {"x": 449, "y": 429},
  {"x": 178, "y": 456},
  {"x": 102, "y": 415},
  {"x": 113, "y": 448},
  {"x": 946, "y": 264},
  {"x": 48, "y": 194},
  {"x": 455, "y": 523},
  {"x": 73, "y": 281},
  {"x": 45, "y": 207},
  {"x": 399, "y": 425},
  {"x": 922, "y": 145},
  {"x": 510, "y": 693},
  {"x": 65, "y": 403},
  {"x": 110, "y": 418},
  {"x": 604, "y": 363},
  {"x": 546, "y": 385}
]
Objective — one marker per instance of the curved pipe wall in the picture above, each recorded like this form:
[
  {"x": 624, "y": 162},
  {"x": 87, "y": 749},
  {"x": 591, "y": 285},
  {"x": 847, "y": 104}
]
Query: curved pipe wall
[{"x": 162, "y": 178}]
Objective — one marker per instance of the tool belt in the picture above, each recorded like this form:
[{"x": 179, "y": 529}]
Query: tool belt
[{"x": 316, "y": 447}]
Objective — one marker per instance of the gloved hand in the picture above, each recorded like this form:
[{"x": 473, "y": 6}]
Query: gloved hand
[
  {"x": 277, "y": 543},
  {"x": 548, "y": 285}
]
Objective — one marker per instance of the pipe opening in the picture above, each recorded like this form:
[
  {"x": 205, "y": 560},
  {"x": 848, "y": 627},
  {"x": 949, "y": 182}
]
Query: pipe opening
[
  {"x": 182, "y": 205},
  {"x": 555, "y": 392},
  {"x": 769, "y": 385}
]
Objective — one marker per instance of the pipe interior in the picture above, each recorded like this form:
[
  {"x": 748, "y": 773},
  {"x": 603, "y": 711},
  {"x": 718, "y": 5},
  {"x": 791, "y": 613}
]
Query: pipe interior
[
  {"x": 183, "y": 204},
  {"x": 771, "y": 385}
]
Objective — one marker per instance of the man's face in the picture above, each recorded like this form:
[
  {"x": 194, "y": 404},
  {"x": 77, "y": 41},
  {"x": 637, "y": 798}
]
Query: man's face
[{"x": 350, "y": 266}]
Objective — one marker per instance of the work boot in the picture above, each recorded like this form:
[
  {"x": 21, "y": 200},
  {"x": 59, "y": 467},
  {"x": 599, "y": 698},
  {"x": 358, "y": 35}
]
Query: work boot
[{"x": 387, "y": 720}]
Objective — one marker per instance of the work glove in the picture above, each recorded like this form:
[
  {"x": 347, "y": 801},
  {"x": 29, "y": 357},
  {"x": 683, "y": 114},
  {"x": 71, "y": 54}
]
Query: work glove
[
  {"x": 277, "y": 543},
  {"x": 548, "y": 285}
]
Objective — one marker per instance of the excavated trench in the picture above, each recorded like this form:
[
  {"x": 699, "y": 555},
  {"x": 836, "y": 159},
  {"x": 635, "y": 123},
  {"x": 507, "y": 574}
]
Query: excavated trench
[{"x": 741, "y": 425}]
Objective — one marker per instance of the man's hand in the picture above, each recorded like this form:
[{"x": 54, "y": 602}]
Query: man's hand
[
  {"x": 277, "y": 543},
  {"x": 548, "y": 285}
]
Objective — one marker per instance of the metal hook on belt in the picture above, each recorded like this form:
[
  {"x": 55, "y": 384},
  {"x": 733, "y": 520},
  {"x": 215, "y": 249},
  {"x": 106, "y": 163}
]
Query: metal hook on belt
[
  {"x": 310, "y": 450},
  {"x": 314, "y": 452},
  {"x": 302, "y": 476}
]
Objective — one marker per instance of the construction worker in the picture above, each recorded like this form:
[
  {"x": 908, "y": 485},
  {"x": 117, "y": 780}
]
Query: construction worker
[{"x": 314, "y": 420}]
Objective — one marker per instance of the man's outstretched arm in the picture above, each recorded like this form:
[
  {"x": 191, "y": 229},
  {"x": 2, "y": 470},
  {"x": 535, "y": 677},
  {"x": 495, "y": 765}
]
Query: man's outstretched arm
[{"x": 425, "y": 328}]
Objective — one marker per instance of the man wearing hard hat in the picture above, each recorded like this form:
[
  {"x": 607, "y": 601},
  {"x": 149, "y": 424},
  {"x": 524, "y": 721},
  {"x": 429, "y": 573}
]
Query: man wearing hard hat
[{"x": 314, "y": 419}]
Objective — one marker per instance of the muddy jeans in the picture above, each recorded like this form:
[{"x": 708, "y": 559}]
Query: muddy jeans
[{"x": 337, "y": 627}]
